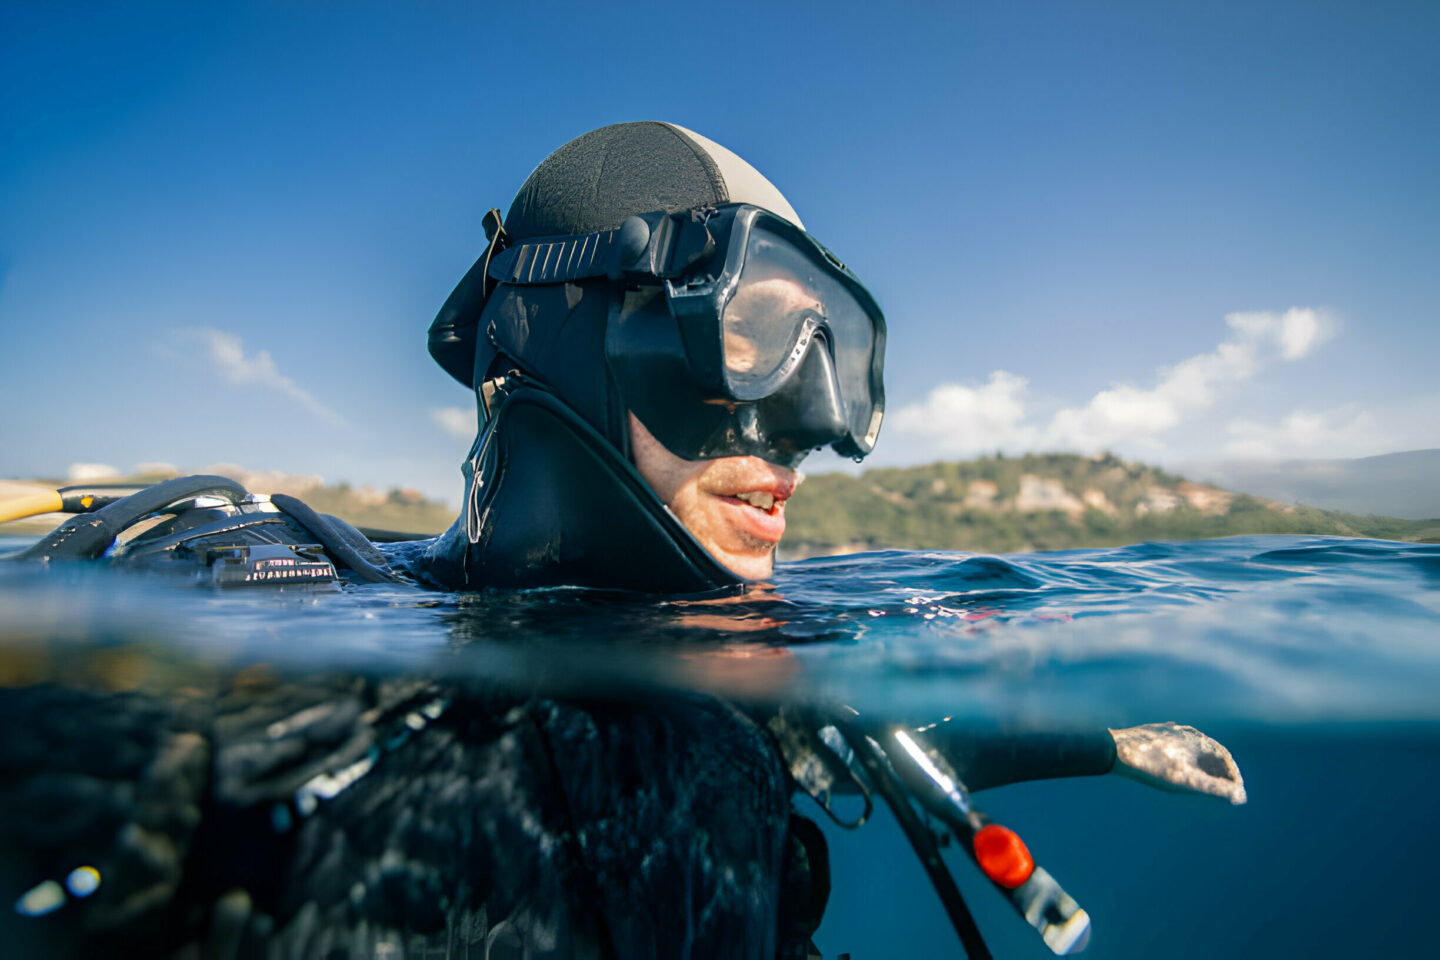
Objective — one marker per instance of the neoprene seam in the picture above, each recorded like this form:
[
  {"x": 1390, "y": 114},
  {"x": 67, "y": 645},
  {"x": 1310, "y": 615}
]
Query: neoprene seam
[{"x": 712, "y": 169}]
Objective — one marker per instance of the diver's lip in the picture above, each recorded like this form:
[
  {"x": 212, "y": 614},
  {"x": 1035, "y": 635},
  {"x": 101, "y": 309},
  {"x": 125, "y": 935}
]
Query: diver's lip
[
  {"x": 778, "y": 487},
  {"x": 764, "y": 525}
]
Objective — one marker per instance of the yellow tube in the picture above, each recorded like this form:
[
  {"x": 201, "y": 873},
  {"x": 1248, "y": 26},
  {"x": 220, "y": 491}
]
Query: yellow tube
[{"x": 31, "y": 505}]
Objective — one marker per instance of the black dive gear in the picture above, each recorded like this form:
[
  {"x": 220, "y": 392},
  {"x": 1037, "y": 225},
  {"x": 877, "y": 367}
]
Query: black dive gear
[
  {"x": 826, "y": 750},
  {"x": 211, "y": 526},
  {"x": 97, "y": 523},
  {"x": 926, "y": 776},
  {"x": 934, "y": 785},
  {"x": 755, "y": 311}
]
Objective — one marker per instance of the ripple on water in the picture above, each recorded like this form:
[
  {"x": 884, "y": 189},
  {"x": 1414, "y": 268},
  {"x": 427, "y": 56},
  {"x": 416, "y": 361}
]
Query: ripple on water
[{"x": 1242, "y": 627}]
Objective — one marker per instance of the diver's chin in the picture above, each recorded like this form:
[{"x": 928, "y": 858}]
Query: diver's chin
[
  {"x": 742, "y": 537},
  {"x": 747, "y": 566}
]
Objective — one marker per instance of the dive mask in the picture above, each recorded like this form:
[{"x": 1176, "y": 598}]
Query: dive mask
[{"x": 734, "y": 332}]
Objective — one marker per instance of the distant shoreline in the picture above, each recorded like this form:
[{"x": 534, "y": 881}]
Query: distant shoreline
[{"x": 990, "y": 505}]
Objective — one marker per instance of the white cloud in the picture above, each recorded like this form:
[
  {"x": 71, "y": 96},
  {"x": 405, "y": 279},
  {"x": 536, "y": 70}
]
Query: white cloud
[
  {"x": 1347, "y": 432},
  {"x": 91, "y": 472},
  {"x": 1302, "y": 331},
  {"x": 969, "y": 420},
  {"x": 227, "y": 352},
  {"x": 459, "y": 422},
  {"x": 1127, "y": 413},
  {"x": 957, "y": 418},
  {"x": 1297, "y": 331}
]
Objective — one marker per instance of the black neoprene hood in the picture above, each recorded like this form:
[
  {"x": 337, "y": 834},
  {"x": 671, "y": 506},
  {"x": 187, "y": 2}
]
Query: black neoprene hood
[
  {"x": 598, "y": 179},
  {"x": 593, "y": 183},
  {"x": 551, "y": 497}
]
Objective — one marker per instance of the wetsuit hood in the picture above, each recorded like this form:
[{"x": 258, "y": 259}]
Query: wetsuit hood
[
  {"x": 594, "y": 183},
  {"x": 549, "y": 501},
  {"x": 551, "y": 495}
]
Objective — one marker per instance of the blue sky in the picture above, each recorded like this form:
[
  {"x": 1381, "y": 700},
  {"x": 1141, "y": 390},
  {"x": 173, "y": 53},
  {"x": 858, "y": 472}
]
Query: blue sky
[{"x": 1184, "y": 232}]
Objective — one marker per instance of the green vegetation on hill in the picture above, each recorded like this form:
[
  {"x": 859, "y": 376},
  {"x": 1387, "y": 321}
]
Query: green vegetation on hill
[
  {"x": 1043, "y": 502},
  {"x": 990, "y": 505}
]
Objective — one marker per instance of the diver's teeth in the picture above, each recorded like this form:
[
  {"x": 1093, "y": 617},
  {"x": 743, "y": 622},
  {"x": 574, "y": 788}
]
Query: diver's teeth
[{"x": 758, "y": 498}]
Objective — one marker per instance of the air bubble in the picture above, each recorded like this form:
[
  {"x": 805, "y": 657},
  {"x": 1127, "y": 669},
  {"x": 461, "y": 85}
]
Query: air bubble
[
  {"x": 83, "y": 881},
  {"x": 43, "y": 898}
]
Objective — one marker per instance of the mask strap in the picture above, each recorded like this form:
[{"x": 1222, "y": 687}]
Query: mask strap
[{"x": 494, "y": 225}]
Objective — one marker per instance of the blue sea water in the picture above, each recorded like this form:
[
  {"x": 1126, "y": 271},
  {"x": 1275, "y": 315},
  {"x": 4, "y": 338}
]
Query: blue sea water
[{"x": 1316, "y": 660}]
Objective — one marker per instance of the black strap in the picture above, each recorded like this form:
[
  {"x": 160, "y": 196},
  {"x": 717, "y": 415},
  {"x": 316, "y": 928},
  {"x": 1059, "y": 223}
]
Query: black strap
[
  {"x": 335, "y": 540},
  {"x": 87, "y": 536},
  {"x": 877, "y": 767},
  {"x": 560, "y": 260},
  {"x": 494, "y": 225}
]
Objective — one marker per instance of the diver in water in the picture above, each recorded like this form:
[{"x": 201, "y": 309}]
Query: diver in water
[{"x": 655, "y": 343}]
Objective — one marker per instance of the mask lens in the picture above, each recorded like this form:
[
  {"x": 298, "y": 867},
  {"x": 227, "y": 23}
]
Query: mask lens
[
  {"x": 783, "y": 296},
  {"x": 774, "y": 306},
  {"x": 791, "y": 363}
]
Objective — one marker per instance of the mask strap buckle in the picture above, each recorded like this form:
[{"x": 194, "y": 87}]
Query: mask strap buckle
[
  {"x": 494, "y": 226},
  {"x": 487, "y": 391}
]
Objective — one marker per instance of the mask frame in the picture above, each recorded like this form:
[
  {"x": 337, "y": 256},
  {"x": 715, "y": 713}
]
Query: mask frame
[{"x": 701, "y": 259}]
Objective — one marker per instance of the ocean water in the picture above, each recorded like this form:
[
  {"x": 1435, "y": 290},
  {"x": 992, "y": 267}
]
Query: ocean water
[{"x": 1315, "y": 660}]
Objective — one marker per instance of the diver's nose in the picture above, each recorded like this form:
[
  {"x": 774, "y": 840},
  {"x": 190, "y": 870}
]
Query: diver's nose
[{"x": 810, "y": 405}]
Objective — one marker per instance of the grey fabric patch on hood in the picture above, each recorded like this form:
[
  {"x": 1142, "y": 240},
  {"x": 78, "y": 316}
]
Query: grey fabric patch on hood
[{"x": 598, "y": 179}]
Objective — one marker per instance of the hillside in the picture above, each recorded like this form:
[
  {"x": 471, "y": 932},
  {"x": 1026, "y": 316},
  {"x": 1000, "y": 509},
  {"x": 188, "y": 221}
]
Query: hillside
[
  {"x": 1043, "y": 502},
  {"x": 991, "y": 505}
]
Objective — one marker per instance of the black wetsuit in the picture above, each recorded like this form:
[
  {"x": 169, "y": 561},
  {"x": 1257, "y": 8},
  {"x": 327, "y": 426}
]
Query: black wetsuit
[
  {"x": 320, "y": 817},
  {"x": 333, "y": 816}
]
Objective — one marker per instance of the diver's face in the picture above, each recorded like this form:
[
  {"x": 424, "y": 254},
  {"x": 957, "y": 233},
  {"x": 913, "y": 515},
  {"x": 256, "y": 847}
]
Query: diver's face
[{"x": 735, "y": 506}]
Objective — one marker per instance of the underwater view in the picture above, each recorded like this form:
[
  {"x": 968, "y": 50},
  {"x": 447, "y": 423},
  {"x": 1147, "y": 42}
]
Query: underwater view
[{"x": 1314, "y": 660}]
